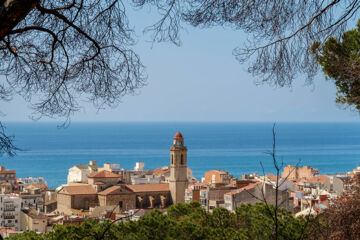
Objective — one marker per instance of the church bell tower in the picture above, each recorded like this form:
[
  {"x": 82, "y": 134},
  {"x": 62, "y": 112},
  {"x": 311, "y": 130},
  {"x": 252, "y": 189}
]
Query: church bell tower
[{"x": 178, "y": 169}]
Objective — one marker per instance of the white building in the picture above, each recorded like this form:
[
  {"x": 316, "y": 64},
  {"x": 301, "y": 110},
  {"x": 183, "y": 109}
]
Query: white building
[
  {"x": 80, "y": 173},
  {"x": 144, "y": 179},
  {"x": 139, "y": 166},
  {"x": 25, "y": 182},
  {"x": 32, "y": 180},
  {"x": 10, "y": 206}
]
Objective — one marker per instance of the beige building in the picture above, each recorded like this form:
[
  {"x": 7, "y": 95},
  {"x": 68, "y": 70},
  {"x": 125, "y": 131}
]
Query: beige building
[
  {"x": 178, "y": 169},
  {"x": 32, "y": 220},
  {"x": 257, "y": 192},
  {"x": 217, "y": 176},
  {"x": 294, "y": 172},
  {"x": 75, "y": 197}
]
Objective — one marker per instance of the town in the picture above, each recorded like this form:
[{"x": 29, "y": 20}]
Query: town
[{"x": 109, "y": 192}]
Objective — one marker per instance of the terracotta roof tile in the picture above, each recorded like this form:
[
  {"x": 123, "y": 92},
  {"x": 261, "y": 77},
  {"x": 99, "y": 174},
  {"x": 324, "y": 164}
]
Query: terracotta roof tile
[
  {"x": 42, "y": 186},
  {"x": 178, "y": 135},
  {"x": 231, "y": 193},
  {"x": 320, "y": 179},
  {"x": 50, "y": 202},
  {"x": 250, "y": 186},
  {"x": 272, "y": 177},
  {"x": 110, "y": 190},
  {"x": 99, "y": 183},
  {"x": 79, "y": 190},
  {"x": 7, "y": 172},
  {"x": 5, "y": 184},
  {"x": 218, "y": 172},
  {"x": 157, "y": 187},
  {"x": 104, "y": 174}
]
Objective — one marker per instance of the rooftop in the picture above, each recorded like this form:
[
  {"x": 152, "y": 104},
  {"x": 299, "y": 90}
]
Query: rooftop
[
  {"x": 41, "y": 186},
  {"x": 156, "y": 187},
  {"x": 320, "y": 179},
  {"x": 79, "y": 190},
  {"x": 104, "y": 174},
  {"x": 178, "y": 135},
  {"x": 110, "y": 190}
]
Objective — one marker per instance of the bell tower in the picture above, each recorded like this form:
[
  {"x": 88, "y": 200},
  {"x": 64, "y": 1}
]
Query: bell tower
[{"x": 178, "y": 169}]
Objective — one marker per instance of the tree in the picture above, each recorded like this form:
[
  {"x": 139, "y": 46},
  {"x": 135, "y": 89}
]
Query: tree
[
  {"x": 340, "y": 60},
  {"x": 55, "y": 53},
  {"x": 342, "y": 220},
  {"x": 186, "y": 221}
]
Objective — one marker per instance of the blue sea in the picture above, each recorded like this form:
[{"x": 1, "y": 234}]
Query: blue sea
[{"x": 49, "y": 151}]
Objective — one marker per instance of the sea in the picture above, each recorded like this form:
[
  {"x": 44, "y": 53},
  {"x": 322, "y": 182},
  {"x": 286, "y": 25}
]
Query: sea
[{"x": 49, "y": 150}]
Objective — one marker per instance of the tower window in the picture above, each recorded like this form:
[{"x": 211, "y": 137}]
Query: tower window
[
  {"x": 172, "y": 159},
  {"x": 182, "y": 159}
]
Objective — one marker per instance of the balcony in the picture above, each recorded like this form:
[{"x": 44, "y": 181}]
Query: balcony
[
  {"x": 9, "y": 217},
  {"x": 9, "y": 209},
  {"x": 9, "y": 224}
]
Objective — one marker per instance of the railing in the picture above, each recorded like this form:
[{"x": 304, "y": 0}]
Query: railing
[
  {"x": 9, "y": 217},
  {"x": 9, "y": 224},
  {"x": 9, "y": 209}
]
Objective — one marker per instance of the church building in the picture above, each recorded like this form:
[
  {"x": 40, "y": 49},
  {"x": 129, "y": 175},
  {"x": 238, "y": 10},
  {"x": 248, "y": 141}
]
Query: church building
[{"x": 105, "y": 188}]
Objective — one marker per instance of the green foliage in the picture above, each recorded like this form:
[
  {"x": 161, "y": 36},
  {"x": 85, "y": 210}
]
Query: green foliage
[
  {"x": 186, "y": 221},
  {"x": 340, "y": 61}
]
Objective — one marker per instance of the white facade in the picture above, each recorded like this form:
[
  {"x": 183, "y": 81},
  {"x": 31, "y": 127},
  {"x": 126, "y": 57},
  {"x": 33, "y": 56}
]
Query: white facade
[
  {"x": 144, "y": 179},
  {"x": 32, "y": 180},
  {"x": 139, "y": 166},
  {"x": 80, "y": 173},
  {"x": 10, "y": 207},
  {"x": 77, "y": 174}
]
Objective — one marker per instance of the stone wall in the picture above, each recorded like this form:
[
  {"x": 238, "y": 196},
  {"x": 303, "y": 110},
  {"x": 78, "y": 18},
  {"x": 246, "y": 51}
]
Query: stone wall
[
  {"x": 143, "y": 200},
  {"x": 64, "y": 203},
  {"x": 125, "y": 201}
]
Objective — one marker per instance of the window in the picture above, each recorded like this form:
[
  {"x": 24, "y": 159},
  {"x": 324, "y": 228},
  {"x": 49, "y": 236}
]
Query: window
[
  {"x": 172, "y": 159},
  {"x": 182, "y": 159},
  {"x": 120, "y": 204}
]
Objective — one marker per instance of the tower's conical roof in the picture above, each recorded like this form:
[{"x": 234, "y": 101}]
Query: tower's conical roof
[{"x": 178, "y": 135}]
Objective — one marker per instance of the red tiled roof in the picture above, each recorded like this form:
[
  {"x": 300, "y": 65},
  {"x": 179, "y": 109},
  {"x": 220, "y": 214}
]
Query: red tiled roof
[
  {"x": 104, "y": 174},
  {"x": 50, "y": 202},
  {"x": 251, "y": 186},
  {"x": 272, "y": 177},
  {"x": 178, "y": 135},
  {"x": 161, "y": 171},
  {"x": 320, "y": 179},
  {"x": 42, "y": 186},
  {"x": 231, "y": 193},
  {"x": 110, "y": 190},
  {"x": 9, "y": 231},
  {"x": 219, "y": 172},
  {"x": 79, "y": 190},
  {"x": 99, "y": 183},
  {"x": 7, "y": 172},
  {"x": 156, "y": 187}
]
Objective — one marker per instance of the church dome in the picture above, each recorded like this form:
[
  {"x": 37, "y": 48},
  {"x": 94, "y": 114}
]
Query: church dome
[{"x": 178, "y": 135}]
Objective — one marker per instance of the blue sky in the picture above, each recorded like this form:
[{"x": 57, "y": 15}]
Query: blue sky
[{"x": 202, "y": 81}]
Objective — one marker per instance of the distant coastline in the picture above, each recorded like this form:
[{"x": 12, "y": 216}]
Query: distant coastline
[{"x": 235, "y": 147}]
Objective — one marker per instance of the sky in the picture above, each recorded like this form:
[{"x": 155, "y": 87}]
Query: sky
[{"x": 202, "y": 81}]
